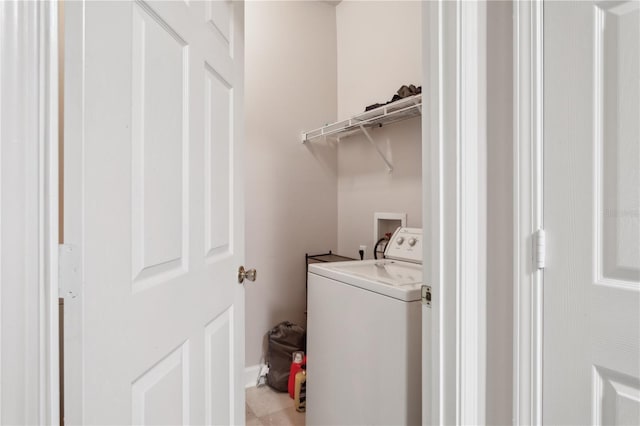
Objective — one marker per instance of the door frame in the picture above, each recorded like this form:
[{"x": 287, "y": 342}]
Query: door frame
[
  {"x": 48, "y": 153},
  {"x": 50, "y": 178},
  {"x": 454, "y": 211},
  {"x": 37, "y": 47},
  {"x": 528, "y": 211},
  {"x": 456, "y": 183}
]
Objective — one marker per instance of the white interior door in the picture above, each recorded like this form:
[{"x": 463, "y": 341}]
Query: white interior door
[
  {"x": 153, "y": 204},
  {"x": 591, "y": 363}
]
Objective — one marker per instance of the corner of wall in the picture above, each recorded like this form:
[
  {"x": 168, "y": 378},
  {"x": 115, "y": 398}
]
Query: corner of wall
[
  {"x": 379, "y": 50},
  {"x": 291, "y": 84}
]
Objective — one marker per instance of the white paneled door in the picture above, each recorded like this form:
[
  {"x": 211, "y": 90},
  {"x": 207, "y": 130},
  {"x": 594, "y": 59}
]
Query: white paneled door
[
  {"x": 591, "y": 363},
  {"x": 153, "y": 204}
]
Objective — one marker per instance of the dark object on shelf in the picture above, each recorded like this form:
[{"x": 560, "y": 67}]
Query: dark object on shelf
[
  {"x": 372, "y": 106},
  {"x": 284, "y": 339},
  {"x": 403, "y": 92}
]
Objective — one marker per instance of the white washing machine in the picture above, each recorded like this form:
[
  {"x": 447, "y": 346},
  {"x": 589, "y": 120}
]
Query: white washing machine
[{"x": 364, "y": 338}]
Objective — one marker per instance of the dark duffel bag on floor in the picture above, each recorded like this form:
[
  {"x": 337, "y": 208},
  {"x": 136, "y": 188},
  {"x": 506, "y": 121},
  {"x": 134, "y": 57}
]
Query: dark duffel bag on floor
[{"x": 284, "y": 339}]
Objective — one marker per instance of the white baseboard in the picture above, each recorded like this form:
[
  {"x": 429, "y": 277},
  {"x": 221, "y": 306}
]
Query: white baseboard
[{"x": 251, "y": 375}]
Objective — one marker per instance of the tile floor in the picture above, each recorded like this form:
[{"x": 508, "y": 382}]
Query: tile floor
[{"x": 267, "y": 407}]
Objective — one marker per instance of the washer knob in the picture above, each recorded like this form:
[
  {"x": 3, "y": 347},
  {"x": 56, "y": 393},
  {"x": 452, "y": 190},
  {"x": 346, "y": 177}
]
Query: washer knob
[
  {"x": 400, "y": 240},
  {"x": 412, "y": 241}
]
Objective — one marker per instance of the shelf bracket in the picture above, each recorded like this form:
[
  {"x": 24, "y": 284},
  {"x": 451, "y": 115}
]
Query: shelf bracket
[{"x": 375, "y": 145}]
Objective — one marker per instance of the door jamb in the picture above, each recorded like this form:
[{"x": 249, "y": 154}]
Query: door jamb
[
  {"x": 34, "y": 53},
  {"x": 48, "y": 195},
  {"x": 454, "y": 211},
  {"x": 41, "y": 25},
  {"x": 528, "y": 211},
  {"x": 37, "y": 47}
]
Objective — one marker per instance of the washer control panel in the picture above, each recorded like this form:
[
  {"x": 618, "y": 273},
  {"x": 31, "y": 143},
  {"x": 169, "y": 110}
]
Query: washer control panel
[{"x": 406, "y": 245}]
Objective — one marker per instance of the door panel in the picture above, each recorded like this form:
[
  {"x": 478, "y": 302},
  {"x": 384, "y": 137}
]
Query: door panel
[
  {"x": 219, "y": 15},
  {"x": 218, "y": 380},
  {"x": 591, "y": 364},
  {"x": 155, "y": 132},
  {"x": 160, "y": 150},
  {"x": 616, "y": 58},
  {"x": 161, "y": 394},
  {"x": 218, "y": 142}
]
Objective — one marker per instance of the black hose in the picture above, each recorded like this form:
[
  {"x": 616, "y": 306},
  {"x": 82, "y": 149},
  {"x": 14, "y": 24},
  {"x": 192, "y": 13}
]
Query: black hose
[{"x": 375, "y": 248}]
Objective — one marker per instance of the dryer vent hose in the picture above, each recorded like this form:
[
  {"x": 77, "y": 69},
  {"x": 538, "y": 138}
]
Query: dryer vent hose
[{"x": 380, "y": 246}]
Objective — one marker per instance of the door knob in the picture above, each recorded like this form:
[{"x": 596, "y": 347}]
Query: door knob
[{"x": 246, "y": 274}]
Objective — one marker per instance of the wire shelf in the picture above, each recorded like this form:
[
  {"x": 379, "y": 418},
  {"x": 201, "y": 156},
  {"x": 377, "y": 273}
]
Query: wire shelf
[{"x": 390, "y": 113}]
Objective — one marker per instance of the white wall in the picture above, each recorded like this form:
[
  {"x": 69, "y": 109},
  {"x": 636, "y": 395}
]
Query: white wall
[
  {"x": 291, "y": 202},
  {"x": 379, "y": 50}
]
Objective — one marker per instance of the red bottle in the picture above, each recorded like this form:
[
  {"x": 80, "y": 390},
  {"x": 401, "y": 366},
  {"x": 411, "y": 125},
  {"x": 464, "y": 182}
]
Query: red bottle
[{"x": 299, "y": 360}]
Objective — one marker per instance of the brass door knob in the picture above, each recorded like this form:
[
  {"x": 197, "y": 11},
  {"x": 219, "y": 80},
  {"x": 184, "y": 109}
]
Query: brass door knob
[{"x": 249, "y": 274}]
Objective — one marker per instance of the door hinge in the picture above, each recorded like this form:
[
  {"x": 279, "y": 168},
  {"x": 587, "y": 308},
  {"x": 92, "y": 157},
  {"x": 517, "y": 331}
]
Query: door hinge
[
  {"x": 540, "y": 249},
  {"x": 426, "y": 295},
  {"x": 69, "y": 271}
]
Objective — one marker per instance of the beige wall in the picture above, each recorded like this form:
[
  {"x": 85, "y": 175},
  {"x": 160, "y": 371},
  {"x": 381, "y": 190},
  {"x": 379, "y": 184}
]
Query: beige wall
[
  {"x": 379, "y": 50},
  {"x": 499, "y": 213},
  {"x": 291, "y": 188},
  {"x": 305, "y": 61}
]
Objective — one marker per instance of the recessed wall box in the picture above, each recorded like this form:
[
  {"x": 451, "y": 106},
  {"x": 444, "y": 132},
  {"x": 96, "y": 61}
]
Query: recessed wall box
[{"x": 384, "y": 223}]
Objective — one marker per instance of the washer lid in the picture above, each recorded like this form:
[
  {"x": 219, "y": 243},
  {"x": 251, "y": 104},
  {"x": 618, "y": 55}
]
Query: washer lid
[
  {"x": 388, "y": 272},
  {"x": 400, "y": 280}
]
